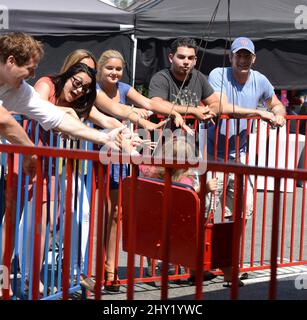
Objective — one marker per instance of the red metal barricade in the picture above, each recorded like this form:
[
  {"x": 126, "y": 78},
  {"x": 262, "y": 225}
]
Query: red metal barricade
[{"x": 275, "y": 247}]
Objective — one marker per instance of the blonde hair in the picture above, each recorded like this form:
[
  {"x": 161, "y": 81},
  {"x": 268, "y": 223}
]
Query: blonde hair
[
  {"x": 105, "y": 56},
  {"x": 76, "y": 57},
  {"x": 177, "y": 148}
]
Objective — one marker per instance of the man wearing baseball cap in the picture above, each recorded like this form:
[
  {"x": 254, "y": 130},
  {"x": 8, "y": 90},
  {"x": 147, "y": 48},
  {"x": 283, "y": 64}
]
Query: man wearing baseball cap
[
  {"x": 239, "y": 86},
  {"x": 242, "y": 43}
]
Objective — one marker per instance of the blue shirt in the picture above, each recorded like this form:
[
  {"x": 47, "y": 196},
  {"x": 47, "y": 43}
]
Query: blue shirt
[
  {"x": 256, "y": 90},
  {"x": 123, "y": 89}
]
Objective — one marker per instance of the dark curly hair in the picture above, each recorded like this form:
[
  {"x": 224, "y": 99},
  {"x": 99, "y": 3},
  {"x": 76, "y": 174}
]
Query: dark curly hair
[{"x": 82, "y": 105}]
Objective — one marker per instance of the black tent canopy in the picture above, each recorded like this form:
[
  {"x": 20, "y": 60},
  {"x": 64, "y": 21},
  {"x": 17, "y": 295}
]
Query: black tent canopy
[
  {"x": 260, "y": 19},
  {"x": 278, "y": 28},
  {"x": 58, "y": 17},
  {"x": 64, "y": 26}
]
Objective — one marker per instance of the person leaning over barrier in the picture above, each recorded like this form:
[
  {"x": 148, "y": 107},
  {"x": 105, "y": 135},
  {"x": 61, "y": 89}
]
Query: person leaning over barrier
[
  {"x": 19, "y": 57},
  {"x": 240, "y": 86},
  {"x": 121, "y": 111},
  {"x": 111, "y": 65},
  {"x": 195, "y": 89},
  {"x": 75, "y": 89},
  {"x": 183, "y": 84}
]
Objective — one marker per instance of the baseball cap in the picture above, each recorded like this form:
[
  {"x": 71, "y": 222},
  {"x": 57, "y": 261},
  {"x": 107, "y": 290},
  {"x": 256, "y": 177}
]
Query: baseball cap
[{"x": 242, "y": 43}]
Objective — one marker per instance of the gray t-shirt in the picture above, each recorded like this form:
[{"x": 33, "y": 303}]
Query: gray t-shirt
[{"x": 196, "y": 88}]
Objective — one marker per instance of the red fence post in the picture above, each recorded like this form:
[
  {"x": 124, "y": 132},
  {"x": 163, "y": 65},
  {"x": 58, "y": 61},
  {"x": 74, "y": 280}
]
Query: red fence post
[
  {"x": 303, "y": 203},
  {"x": 252, "y": 256},
  {"x": 294, "y": 191},
  {"x": 131, "y": 236},
  {"x": 37, "y": 229},
  {"x": 67, "y": 230},
  {"x": 245, "y": 194},
  {"x": 237, "y": 230},
  {"x": 9, "y": 224},
  {"x": 92, "y": 221},
  {"x": 201, "y": 228},
  {"x": 167, "y": 219},
  {"x": 283, "y": 224},
  {"x": 265, "y": 192},
  {"x": 100, "y": 246},
  {"x": 274, "y": 241}
]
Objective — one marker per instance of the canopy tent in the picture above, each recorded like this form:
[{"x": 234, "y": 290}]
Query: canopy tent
[
  {"x": 261, "y": 19},
  {"x": 58, "y": 17},
  {"x": 64, "y": 26},
  {"x": 278, "y": 28}
]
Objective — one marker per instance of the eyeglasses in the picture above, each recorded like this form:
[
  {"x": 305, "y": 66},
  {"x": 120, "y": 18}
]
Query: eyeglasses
[{"x": 78, "y": 84}]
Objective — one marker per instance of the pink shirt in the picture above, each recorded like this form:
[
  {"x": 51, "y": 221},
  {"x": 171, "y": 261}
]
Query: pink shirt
[{"x": 150, "y": 171}]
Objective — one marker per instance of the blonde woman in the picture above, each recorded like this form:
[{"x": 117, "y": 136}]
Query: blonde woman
[
  {"x": 114, "y": 107},
  {"x": 112, "y": 100},
  {"x": 109, "y": 74}
]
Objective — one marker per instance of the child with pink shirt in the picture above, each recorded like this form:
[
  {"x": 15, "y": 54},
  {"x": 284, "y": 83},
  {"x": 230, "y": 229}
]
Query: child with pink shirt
[{"x": 178, "y": 149}]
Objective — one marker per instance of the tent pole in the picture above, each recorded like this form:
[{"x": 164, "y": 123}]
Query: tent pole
[{"x": 135, "y": 42}]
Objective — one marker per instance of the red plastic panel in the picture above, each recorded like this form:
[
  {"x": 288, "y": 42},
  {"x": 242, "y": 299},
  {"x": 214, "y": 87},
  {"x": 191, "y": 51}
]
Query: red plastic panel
[{"x": 148, "y": 216}]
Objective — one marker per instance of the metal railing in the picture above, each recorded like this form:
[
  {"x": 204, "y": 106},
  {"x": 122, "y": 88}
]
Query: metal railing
[{"x": 266, "y": 236}]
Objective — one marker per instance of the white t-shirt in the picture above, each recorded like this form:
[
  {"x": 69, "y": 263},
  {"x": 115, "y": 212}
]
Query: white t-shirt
[{"x": 26, "y": 101}]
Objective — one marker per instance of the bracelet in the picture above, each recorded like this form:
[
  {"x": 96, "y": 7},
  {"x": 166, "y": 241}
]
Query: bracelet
[
  {"x": 138, "y": 119},
  {"x": 138, "y": 116},
  {"x": 131, "y": 110}
]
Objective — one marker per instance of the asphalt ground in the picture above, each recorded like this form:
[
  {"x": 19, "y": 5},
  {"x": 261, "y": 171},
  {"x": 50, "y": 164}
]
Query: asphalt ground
[{"x": 257, "y": 285}]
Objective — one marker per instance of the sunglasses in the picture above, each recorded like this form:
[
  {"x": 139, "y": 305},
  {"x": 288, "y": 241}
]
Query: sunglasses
[{"x": 78, "y": 84}]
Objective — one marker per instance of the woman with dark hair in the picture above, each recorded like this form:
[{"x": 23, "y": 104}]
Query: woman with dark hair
[
  {"x": 75, "y": 86},
  {"x": 75, "y": 91}
]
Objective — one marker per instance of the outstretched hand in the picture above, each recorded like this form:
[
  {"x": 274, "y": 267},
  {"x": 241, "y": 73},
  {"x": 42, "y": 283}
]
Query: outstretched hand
[
  {"x": 143, "y": 113},
  {"x": 179, "y": 122},
  {"x": 137, "y": 141},
  {"x": 115, "y": 138},
  {"x": 153, "y": 126}
]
